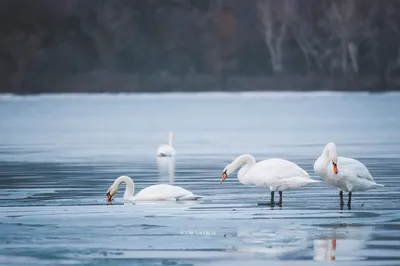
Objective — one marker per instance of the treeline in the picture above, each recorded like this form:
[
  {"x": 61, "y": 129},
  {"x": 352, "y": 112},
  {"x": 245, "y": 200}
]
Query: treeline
[{"x": 44, "y": 44}]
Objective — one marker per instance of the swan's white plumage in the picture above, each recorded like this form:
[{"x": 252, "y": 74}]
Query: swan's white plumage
[
  {"x": 352, "y": 174},
  {"x": 161, "y": 192},
  {"x": 351, "y": 166},
  {"x": 165, "y": 192},
  {"x": 279, "y": 174},
  {"x": 275, "y": 174},
  {"x": 167, "y": 150}
]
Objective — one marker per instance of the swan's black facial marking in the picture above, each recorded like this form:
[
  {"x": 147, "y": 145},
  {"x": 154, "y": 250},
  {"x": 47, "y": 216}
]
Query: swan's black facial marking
[{"x": 335, "y": 169}]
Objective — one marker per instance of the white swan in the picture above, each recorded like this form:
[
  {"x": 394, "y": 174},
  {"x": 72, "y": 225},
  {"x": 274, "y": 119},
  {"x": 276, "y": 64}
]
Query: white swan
[
  {"x": 167, "y": 150},
  {"x": 152, "y": 193},
  {"x": 347, "y": 174},
  {"x": 275, "y": 174}
]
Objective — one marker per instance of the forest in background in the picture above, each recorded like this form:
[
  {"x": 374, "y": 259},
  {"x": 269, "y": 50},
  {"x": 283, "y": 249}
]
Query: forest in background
[{"x": 198, "y": 45}]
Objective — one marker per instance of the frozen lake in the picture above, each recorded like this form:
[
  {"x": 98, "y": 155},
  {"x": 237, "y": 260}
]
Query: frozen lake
[{"x": 60, "y": 153}]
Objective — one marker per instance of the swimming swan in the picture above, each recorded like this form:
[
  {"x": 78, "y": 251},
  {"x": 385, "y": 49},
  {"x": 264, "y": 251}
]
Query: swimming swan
[
  {"x": 347, "y": 174},
  {"x": 152, "y": 193},
  {"x": 167, "y": 150},
  {"x": 275, "y": 174}
]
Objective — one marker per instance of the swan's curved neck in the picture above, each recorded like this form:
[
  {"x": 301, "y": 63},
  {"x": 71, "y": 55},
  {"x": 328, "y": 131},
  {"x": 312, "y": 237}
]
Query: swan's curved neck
[
  {"x": 325, "y": 152},
  {"x": 323, "y": 160},
  {"x": 130, "y": 186},
  {"x": 248, "y": 162},
  {"x": 171, "y": 139}
]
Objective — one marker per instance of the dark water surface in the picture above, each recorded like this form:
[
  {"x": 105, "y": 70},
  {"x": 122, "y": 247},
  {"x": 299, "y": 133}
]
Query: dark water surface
[{"x": 59, "y": 154}]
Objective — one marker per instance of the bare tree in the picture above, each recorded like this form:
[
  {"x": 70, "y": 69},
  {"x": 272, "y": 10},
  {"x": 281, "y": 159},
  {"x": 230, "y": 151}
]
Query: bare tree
[
  {"x": 347, "y": 26},
  {"x": 389, "y": 13},
  {"x": 304, "y": 29},
  {"x": 275, "y": 16},
  {"x": 112, "y": 31},
  {"x": 23, "y": 48},
  {"x": 221, "y": 42}
]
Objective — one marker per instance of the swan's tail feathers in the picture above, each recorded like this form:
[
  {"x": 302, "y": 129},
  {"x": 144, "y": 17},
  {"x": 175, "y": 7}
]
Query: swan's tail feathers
[
  {"x": 378, "y": 185},
  {"x": 189, "y": 197}
]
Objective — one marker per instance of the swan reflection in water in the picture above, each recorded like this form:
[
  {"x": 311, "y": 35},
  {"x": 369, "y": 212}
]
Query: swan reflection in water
[
  {"x": 270, "y": 243},
  {"x": 346, "y": 243},
  {"x": 166, "y": 169}
]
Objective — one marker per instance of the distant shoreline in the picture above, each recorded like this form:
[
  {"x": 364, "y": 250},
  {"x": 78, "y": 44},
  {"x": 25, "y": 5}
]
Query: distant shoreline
[
  {"x": 227, "y": 92},
  {"x": 197, "y": 95},
  {"x": 109, "y": 82}
]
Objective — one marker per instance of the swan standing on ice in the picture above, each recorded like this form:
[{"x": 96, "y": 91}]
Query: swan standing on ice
[
  {"x": 275, "y": 174},
  {"x": 347, "y": 174},
  {"x": 152, "y": 193},
  {"x": 167, "y": 150}
]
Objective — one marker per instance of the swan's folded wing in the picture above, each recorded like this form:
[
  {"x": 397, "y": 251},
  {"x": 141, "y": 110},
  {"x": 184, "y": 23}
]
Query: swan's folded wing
[
  {"x": 354, "y": 167},
  {"x": 276, "y": 169},
  {"x": 280, "y": 167},
  {"x": 189, "y": 197},
  {"x": 162, "y": 192}
]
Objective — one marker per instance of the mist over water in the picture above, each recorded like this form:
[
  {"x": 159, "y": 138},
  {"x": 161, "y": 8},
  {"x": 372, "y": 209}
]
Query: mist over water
[{"x": 60, "y": 153}]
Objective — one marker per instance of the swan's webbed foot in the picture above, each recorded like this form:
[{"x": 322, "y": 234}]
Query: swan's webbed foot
[{"x": 272, "y": 204}]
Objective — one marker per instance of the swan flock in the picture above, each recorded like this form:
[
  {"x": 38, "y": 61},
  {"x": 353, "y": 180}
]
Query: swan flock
[{"x": 275, "y": 174}]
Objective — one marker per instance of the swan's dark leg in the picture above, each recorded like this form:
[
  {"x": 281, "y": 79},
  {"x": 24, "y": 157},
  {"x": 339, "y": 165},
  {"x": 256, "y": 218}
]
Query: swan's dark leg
[
  {"x": 272, "y": 203},
  {"x": 280, "y": 198},
  {"x": 341, "y": 199},
  {"x": 349, "y": 202}
]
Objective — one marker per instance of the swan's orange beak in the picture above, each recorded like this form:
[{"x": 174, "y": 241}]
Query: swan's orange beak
[
  {"x": 224, "y": 176},
  {"x": 335, "y": 170},
  {"x": 109, "y": 197}
]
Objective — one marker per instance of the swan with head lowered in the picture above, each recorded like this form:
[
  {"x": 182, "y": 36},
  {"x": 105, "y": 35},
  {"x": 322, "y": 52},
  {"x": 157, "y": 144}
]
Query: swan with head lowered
[
  {"x": 347, "y": 174},
  {"x": 274, "y": 174},
  {"x": 160, "y": 192},
  {"x": 167, "y": 150}
]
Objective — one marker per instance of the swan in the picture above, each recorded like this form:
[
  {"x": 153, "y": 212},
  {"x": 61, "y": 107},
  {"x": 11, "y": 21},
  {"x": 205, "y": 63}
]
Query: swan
[
  {"x": 167, "y": 150},
  {"x": 275, "y": 174},
  {"x": 347, "y": 174},
  {"x": 152, "y": 193}
]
